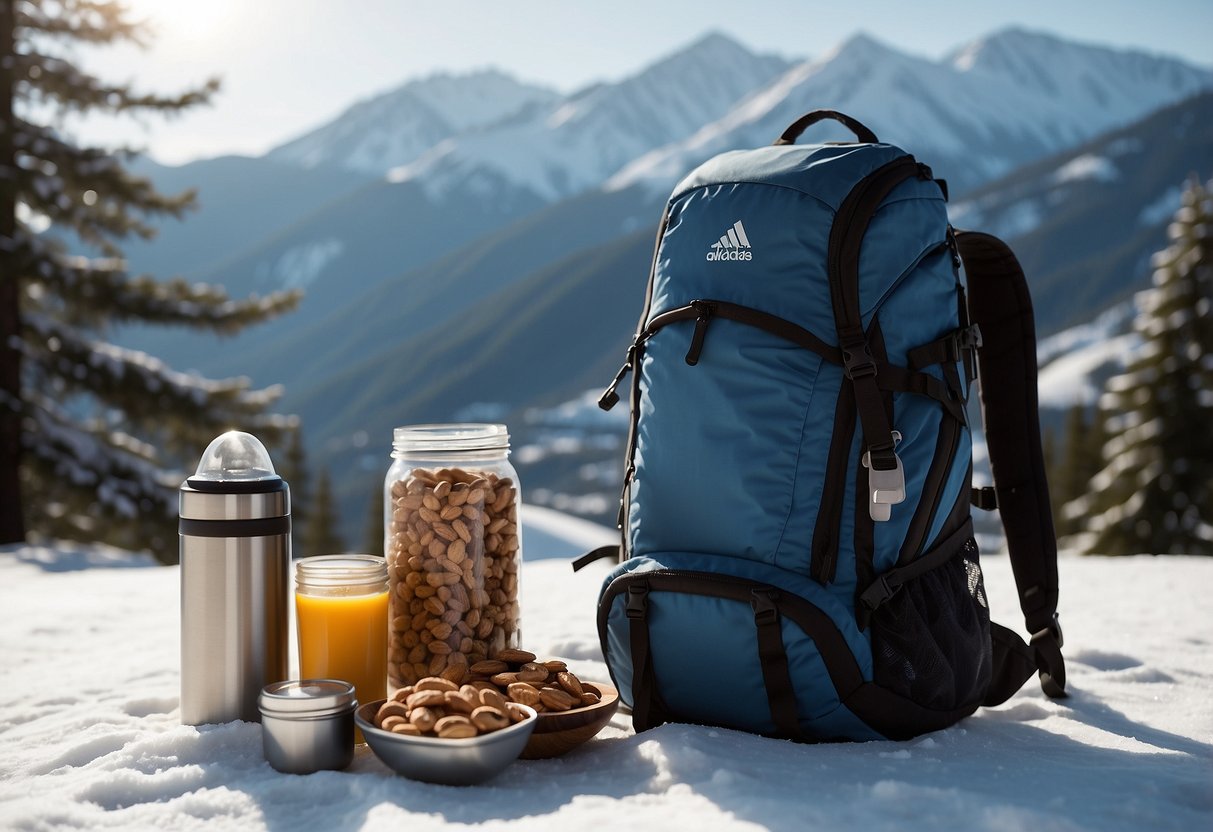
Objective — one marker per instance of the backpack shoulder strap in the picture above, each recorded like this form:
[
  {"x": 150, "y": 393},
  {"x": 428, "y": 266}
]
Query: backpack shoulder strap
[{"x": 1001, "y": 306}]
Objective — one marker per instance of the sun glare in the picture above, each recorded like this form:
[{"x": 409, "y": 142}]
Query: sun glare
[{"x": 184, "y": 19}]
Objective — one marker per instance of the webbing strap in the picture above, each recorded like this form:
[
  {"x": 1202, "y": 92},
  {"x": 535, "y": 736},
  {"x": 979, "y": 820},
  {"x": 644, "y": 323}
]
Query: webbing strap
[
  {"x": 887, "y": 585},
  {"x": 1001, "y": 306},
  {"x": 899, "y": 380},
  {"x": 781, "y": 695},
  {"x": 644, "y": 690},
  {"x": 612, "y": 551}
]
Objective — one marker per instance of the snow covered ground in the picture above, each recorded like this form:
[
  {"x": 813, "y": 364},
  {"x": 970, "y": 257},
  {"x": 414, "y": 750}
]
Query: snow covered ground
[{"x": 90, "y": 735}]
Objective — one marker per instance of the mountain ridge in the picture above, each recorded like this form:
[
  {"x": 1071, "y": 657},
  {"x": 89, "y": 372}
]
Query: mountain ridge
[{"x": 940, "y": 112}]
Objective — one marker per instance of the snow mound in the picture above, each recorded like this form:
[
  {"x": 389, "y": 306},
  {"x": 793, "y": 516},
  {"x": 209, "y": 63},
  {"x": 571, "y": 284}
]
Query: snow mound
[{"x": 92, "y": 740}]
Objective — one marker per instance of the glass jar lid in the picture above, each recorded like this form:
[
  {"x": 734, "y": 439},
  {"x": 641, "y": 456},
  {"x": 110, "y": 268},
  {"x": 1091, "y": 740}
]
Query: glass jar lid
[
  {"x": 450, "y": 438},
  {"x": 338, "y": 572},
  {"x": 307, "y": 698}
]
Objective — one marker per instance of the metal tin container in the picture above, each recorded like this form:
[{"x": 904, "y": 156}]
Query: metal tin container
[
  {"x": 235, "y": 580},
  {"x": 308, "y": 725}
]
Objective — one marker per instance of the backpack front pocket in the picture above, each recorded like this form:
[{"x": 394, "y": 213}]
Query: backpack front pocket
[{"x": 688, "y": 645}]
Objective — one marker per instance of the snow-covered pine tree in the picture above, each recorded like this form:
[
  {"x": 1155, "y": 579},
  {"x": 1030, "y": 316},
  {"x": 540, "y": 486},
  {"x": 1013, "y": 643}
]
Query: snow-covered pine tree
[
  {"x": 1076, "y": 464},
  {"x": 1155, "y": 493},
  {"x": 89, "y": 431}
]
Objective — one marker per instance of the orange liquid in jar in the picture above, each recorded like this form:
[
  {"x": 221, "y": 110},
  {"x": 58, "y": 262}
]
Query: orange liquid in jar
[{"x": 345, "y": 637}]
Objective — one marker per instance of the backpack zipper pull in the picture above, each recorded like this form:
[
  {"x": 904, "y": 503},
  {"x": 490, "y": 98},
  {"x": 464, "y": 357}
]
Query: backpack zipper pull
[
  {"x": 705, "y": 310},
  {"x": 610, "y": 397}
]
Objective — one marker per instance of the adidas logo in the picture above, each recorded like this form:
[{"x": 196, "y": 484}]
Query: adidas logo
[{"x": 733, "y": 245}]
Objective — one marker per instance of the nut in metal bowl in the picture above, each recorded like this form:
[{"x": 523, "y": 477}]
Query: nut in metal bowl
[{"x": 451, "y": 762}]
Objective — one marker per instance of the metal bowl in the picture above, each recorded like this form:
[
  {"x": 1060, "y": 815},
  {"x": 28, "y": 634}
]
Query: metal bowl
[{"x": 451, "y": 762}]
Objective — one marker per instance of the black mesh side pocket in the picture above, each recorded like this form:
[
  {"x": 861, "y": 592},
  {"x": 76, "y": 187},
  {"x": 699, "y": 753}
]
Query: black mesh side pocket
[{"x": 931, "y": 640}]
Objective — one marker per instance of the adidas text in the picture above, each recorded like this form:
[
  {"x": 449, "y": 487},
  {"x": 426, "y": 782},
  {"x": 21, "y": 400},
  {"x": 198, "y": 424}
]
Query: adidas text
[
  {"x": 732, "y": 245},
  {"x": 730, "y": 254}
]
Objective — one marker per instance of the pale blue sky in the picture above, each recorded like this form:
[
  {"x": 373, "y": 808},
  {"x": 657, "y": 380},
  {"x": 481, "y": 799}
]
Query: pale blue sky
[{"x": 289, "y": 65}]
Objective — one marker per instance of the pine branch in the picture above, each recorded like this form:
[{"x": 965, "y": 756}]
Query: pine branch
[
  {"x": 97, "y": 292},
  {"x": 83, "y": 21},
  {"x": 94, "y": 483},
  {"x": 49, "y": 80},
  {"x": 87, "y": 189},
  {"x": 150, "y": 394}
]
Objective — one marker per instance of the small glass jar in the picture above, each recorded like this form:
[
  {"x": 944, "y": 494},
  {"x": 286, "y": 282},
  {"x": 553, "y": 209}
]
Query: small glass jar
[
  {"x": 453, "y": 548},
  {"x": 341, "y": 607}
]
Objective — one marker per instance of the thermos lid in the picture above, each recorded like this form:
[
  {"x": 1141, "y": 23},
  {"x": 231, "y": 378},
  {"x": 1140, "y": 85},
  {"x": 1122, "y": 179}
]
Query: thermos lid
[
  {"x": 307, "y": 698},
  {"x": 235, "y": 480},
  {"x": 235, "y": 463},
  {"x": 235, "y": 456}
]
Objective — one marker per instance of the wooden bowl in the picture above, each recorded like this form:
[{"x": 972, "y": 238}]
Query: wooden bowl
[{"x": 557, "y": 732}]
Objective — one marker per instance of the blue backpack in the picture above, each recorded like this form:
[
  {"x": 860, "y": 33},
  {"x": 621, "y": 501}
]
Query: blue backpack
[{"x": 798, "y": 556}]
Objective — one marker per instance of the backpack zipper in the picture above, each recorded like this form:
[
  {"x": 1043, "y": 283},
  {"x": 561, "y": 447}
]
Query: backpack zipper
[
  {"x": 860, "y": 202},
  {"x": 839, "y": 660},
  {"x": 936, "y": 482},
  {"x": 886, "y": 480},
  {"x": 823, "y": 563}
]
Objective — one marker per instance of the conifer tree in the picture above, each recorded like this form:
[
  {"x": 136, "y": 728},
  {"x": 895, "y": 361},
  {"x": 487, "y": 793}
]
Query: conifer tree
[
  {"x": 321, "y": 535},
  {"x": 1077, "y": 463},
  {"x": 294, "y": 470},
  {"x": 93, "y": 437},
  {"x": 1155, "y": 493},
  {"x": 372, "y": 532}
]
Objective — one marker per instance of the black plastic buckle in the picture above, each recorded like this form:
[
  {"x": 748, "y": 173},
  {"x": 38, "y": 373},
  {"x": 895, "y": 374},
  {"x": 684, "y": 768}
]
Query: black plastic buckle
[
  {"x": 1050, "y": 666},
  {"x": 766, "y": 611},
  {"x": 878, "y": 593},
  {"x": 984, "y": 498},
  {"x": 638, "y": 600},
  {"x": 970, "y": 337},
  {"x": 1053, "y": 630},
  {"x": 858, "y": 361}
]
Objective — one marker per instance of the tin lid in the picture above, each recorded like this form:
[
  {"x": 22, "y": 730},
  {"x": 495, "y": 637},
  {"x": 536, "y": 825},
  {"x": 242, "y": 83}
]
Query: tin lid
[{"x": 307, "y": 698}]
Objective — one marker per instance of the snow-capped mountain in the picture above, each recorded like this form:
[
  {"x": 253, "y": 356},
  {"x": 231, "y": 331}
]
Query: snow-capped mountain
[
  {"x": 576, "y": 143},
  {"x": 995, "y": 104},
  {"x": 396, "y": 127},
  {"x": 1084, "y": 223},
  {"x": 1102, "y": 84}
]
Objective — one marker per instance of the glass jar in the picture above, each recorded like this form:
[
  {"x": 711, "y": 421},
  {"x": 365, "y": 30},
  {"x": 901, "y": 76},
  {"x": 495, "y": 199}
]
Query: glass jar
[
  {"x": 453, "y": 549},
  {"x": 341, "y": 607}
]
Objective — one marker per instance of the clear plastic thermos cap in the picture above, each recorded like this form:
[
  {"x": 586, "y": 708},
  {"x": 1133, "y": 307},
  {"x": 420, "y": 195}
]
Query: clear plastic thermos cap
[{"x": 235, "y": 481}]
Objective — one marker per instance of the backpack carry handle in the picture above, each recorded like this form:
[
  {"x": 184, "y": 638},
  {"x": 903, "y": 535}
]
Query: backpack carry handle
[{"x": 797, "y": 127}]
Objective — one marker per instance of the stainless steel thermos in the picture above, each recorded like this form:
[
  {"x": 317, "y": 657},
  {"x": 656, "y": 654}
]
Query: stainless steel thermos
[{"x": 235, "y": 575}]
